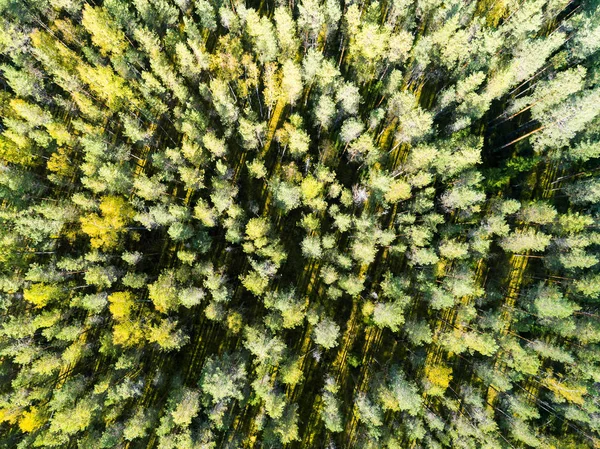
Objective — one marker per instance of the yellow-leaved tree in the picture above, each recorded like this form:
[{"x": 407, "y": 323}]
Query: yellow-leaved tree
[{"x": 105, "y": 230}]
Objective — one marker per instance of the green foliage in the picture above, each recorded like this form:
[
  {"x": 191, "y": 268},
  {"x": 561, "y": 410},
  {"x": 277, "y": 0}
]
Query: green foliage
[
  {"x": 389, "y": 315},
  {"x": 223, "y": 378},
  {"x": 330, "y": 414},
  {"x": 265, "y": 348},
  {"x": 289, "y": 305},
  {"x": 164, "y": 293},
  {"x": 166, "y": 335},
  {"x": 398, "y": 394},
  {"x": 529, "y": 240},
  {"x": 550, "y": 303},
  {"x": 326, "y": 333},
  {"x": 311, "y": 247}
]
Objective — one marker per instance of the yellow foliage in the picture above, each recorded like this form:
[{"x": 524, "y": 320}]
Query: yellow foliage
[
  {"x": 254, "y": 282},
  {"x": 57, "y": 54},
  {"x": 101, "y": 387},
  {"x": 368, "y": 308},
  {"x": 59, "y": 163},
  {"x": 439, "y": 376},
  {"x": 291, "y": 373},
  {"x": 74, "y": 352},
  {"x": 166, "y": 335},
  {"x": 257, "y": 228},
  {"x": 8, "y": 415},
  {"x": 10, "y": 149},
  {"x": 235, "y": 322},
  {"x": 399, "y": 190},
  {"x": 104, "y": 231},
  {"x": 120, "y": 305},
  {"x": 41, "y": 294},
  {"x": 30, "y": 112},
  {"x": 59, "y": 132},
  {"x": 570, "y": 393},
  {"x": 87, "y": 106},
  {"x": 205, "y": 214},
  {"x": 104, "y": 33},
  {"x": 106, "y": 84},
  {"x": 311, "y": 188},
  {"x": 126, "y": 333},
  {"x": 31, "y": 420},
  {"x": 46, "y": 365}
]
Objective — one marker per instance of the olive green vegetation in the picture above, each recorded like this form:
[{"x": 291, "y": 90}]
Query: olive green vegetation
[{"x": 303, "y": 224}]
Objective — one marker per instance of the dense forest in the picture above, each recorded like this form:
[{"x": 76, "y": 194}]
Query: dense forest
[{"x": 299, "y": 224}]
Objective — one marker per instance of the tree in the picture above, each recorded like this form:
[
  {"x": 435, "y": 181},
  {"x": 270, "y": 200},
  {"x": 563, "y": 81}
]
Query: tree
[
  {"x": 577, "y": 258},
  {"x": 437, "y": 379},
  {"x": 105, "y": 230},
  {"x": 311, "y": 247},
  {"x": 103, "y": 31},
  {"x": 584, "y": 191},
  {"x": 274, "y": 401},
  {"x": 291, "y": 81},
  {"x": 398, "y": 394},
  {"x": 150, "y": 189},
  {"x": 397, "y": 191},
  {"x": 287, "y": 425},
  {"x": 41, "y": 295},
  {"x": 223, "y": 378},
  {"x": 255, "y": 282},
  {"x": 291, "y": 371},
  {"x": 137, "y": 426},
  {"x": 325, "y": 111},
  {"x": 389, "y": 315},
  {"x": 260, "y": 29},
  {"x": 289, "y": 305},
  {"x": 253, "y": 176},
  {"x": 32, "y": 420},
  {"x": 368, "y": 44},
  {"x": 589, "y": 285},
  {"x": 107, "y": 85},
  {"x": 418, "y": 332},
  {"x": 369, "y": 413},
  {"x": 348, "y": 97},
  {"x": 351, "y": 129},
  {"x": 251, "y": 133},
  {"x": 287, "y": 195},
  {"x": 191, "y": 296},
  {"x": 286, "y": 32},
  {"x": 330, "y": 414},
  {"x": 166, "y": 335},
  {"x": 267, "y": 349},
  {"x": 452, "y": 249},
  {"x": 187, "y": 408},
  {"x": 527, "y": 240},
  {"x": 164, "y": 292},
  {"x": 550, "y": 303},
  {"x": 310, "y": 20},
  {"x": 121, "y": 304},
  {"x": 414, "y": 122},
  {"x": 293, "y": 137},
  {"x": 539, "y": 213},
  {"x": 72, "y": 420},
  {"x": 561, "y": 123},
  {"x": 326, "y": 333}
]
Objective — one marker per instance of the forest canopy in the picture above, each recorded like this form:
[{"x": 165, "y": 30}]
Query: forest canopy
[{"x": 300, "y": 224}]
